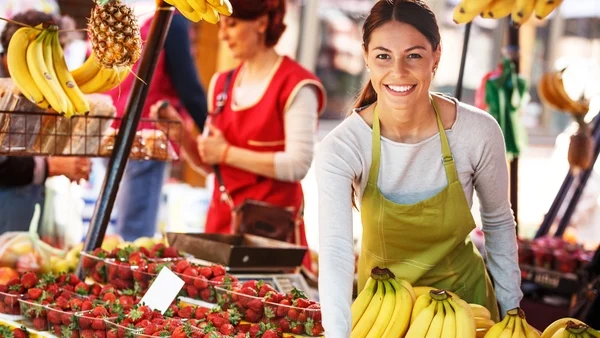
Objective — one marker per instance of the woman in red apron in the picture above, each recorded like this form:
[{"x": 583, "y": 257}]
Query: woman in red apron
[{"x": 262, "y": 138}]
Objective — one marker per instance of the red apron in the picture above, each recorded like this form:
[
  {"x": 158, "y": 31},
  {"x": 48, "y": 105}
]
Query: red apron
[{"x": 260, "y": 128}]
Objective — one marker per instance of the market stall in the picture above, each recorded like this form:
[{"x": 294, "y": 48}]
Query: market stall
[{"x": 217, "y": 285}]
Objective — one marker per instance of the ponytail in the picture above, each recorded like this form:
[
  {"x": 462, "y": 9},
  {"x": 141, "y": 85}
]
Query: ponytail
[{"x": 367, "y": 96}]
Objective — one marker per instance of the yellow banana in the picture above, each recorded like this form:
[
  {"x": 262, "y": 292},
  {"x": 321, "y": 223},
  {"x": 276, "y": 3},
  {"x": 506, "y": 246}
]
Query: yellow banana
[
  {"x": 480, "y": 311},
  {"x": 498, "y": 9},
  {"x": 465, "y": 322},
  {"x": 543, "y": 8},
  {"x": 211, "y": 15},
  {"x": 522, "y": 11},
  {"x": 449, "y": 329},
  {"x": 363, "y": 299},
  {"x": 199, "y": 6},
  {"x": 222, "y": 6},
  {"x": 186, "y": 10},
  {"x": 41, "y": 76},
  {"x": 368, "y": 318},
  {"x": 76, "y": 97},
  {"x": 571, "y": 105},
  {"x": 482, "y": 322},
  {"x": 86, "y": 71},
  {"x": 17, "y": 64},
  {"x": 558, "y": 324},
  {"x": 419, "y": 327},
  {"x": 420, "y": 290},
  {"x": 422, "y": 302},
  {"x": 408, "y": 287},
  {"x": 118, "y": 76},
  {"x": 497, "y": 328},
  {"x": 49, "y": 60},
  {"x": 518, "y": 330},
  {"x": 530, "y": 332},
  {"x": 481, "y": 333},
  {"x": 508, "y": 330},
  {"x": 98, "y": 82},
  {"x": 560, "y": 333},
  {"x": 467, "y": 10},
  {"x": 385, "y": 313},
  {"x": 437, "y": 324},
  {"x": 549, "y": 94},
  {"x": 402, "y": 311}
]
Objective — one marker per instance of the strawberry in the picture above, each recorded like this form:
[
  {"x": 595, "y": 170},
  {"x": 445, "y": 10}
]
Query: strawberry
[
  {"x": 302, "y": 317},
  {"x": 157, "y": 250},
  {"x": 189, "y": 272},
  {"x": 283, "y": 310},
  {"x": 315, "y": 312},
  {"x": 180, "y": 266},
  {"x": 302, "y": 303},
  {"x": 253, "y": 284},
  {"x": 192, "y": 291},
  {"x": 218, "y": 270},
  {"x": 82, "y": 289},
  {"x": 85, "y": 322},
  {"x": 201, "y": 312},
  {"x": 227, "y": 329},
  {"x": 19, "y": 333},
  {"x": 29, "y": 280},
  {"x": 251, "y": 294},
  {"x": 98, "y": 324},
  {"x": 200, "y": 282},
  {"x": 95, "y": 289},
  {"x": 75, "y": 304},
  {"x": 34, "y": 293},
  {"x": 292, "y": 314},
  {"x": 208, "y": 295},
  {"x": 109, "y": 297},
  {"x": 178, "y": 333},
  {"x": 270, "y": 334},
  {"x": 264, "y": 289},
  {"x": 284, "y": 324},
  {"x": 99, "y": 312},
  {"x": 240, "y": 335},
  {"x": 297, "y": 328},
  {"x": 170, "y": 252},
  {"x": 217, "y": 320},
  {"x": 274, "y": 297},
  {"x": 136, "y": 258},
  {"x": 252, "y": 316},
  {"x": 53, "y": 317},
  {"x": 206, "y": 272},
  {"x": 313, "y": 328},
  {"x": 40, "y": 324},
  {"x": 255, "y": 305},
  {"x": 256, "y": 330},
  {"x": 150, "y": 328},
  {"x": 185, "y": 312}
]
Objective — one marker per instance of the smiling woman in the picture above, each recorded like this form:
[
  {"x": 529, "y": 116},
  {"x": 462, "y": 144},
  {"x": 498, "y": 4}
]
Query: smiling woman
[{"x": 413, "y": 159}]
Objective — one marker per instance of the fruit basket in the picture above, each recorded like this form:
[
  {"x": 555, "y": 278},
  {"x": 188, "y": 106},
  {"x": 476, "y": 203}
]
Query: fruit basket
[
  {"x": 92, "y": 323},
  {"x": 62, "y": 323},
  {"x": 201, "y": 281},
  {"x": 9, "y": 303},
  {"x": 34, "y": 314}
]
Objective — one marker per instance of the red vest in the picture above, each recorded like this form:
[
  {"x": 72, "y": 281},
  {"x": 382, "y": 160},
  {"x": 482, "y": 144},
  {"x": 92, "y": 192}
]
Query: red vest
[
  {"x": 161, "y": 87},
  {"x": 259, "y": 128}
]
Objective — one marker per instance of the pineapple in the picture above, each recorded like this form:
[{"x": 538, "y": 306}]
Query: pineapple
[{"x": 115, "y": 34}]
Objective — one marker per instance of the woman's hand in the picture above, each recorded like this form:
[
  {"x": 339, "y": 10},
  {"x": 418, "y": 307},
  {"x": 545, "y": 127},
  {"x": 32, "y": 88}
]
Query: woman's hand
[
  {"x": 213, "y": 147},
  {"x": 162, "y": 110}
]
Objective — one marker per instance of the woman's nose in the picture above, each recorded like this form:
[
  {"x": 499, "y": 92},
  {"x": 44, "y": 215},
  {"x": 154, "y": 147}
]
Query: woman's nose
[{"x": 400, "y": 67}]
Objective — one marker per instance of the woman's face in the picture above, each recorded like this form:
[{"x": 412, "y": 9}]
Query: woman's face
[
  {"x": 402, "y": 63},
  {"x": 243, "y": 37}
]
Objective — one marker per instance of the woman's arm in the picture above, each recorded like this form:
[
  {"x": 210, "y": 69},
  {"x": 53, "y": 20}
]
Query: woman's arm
[
  {"x": 491, "y": 184},
  {"x": 336, "y": 166},
  {"x": 292, "y": 164}
]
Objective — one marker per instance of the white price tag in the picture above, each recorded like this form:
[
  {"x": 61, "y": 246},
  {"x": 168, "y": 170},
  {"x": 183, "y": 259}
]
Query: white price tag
[{"x": 163, "y": 290}]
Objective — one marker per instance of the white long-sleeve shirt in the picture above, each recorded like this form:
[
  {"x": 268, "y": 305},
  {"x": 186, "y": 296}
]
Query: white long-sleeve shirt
[{"x": 410, "y": 173}]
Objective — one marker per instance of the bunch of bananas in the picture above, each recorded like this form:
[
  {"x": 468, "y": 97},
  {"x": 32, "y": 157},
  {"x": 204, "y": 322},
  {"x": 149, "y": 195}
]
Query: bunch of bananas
[
  {"x": 91, "y": 77},
  {"x": 552, "y": 92},
  {"x": 383, "y": 307},
  {"x": 515, "y": 325},
  {"x": 569, "y": 328},
  {"x": 37, "y": 65},
  {"x": 207, "y": 10},
  {"x": 439, "y": 314},
  {"x": 519, "y": 10}
]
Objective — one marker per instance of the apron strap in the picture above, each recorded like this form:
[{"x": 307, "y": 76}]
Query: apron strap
[
  {"x": 447, "y": 157},
  {"x": 376, "y": 151}
]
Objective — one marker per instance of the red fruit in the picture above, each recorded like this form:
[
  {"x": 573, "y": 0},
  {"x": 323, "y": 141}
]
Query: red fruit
[
  {"x": 200, "y": 282},
  {"x": 302, "y": 303},
  {"x": 218, "y": 270},
  {"x": 270, "y": 334},
  {"x": 107, "y": 289},
  {"x": 254, "y": 330},
  {"x": 302, "y": 317},
  {"x": 54, "y": 317},
  {"x": 99, "y": 312},
  {"x": 109, "y": 297},
  {"x": 317, "y": 329},
  {"x": 185, "y": 312},
  {"x": 217, "y": 320},
  {"x": 189, "y": 272},
  {"x": 255, "y": 305},
  {"x": 158, "y": 249},
  {"x": 18, "y": 333},
  {"x": 315, "y": 312},
  {"x": 253, "y": 284},
  {"x": 179, "y": 333},
  {"x": 284, "y": 324},
  {"x": 29, "y": 280},
  {"x": 170, "y": 252},
  {"x": 82, "y": 289},
  {"x": 75, "y": 304},
  {"x": 150, "y": 328},
  {"x": 252, "y": 316},
  {"x": 181, "y": 266},
  {"x": 206, "y": 272},
  {"x": 73, "y": 280},
  {"x": 85, "y": 322},
  {"x": 62, "y": 303},
  {"x": 265, "y": 289},
  {"x": 192, "y": 291},
  {"x": 98, "y": 324},
  {"x": 34, "y": 293},
  {"x": 126, "y": 301},
  {"x": 251, "y": 294},
  {"x": 95, "y": 289},
  {"x": 208, "y": 295},
  {"x": 136, "y": 258},
  {"x": 227, "y": 329},
  {"x": 124, "y": 272},
  {"x": 40, "y": 324},
  {"x": 292, "y": 314},
  {"x": 283, "y": 310},
  {"x": 88, "y": 334},
  {"x": 297, "y": 328},
  {"x": 201, "y": 312}
]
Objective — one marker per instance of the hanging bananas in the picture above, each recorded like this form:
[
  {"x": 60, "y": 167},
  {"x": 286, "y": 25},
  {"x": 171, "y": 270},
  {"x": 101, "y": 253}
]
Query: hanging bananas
[
  {"x": 569, "y": 327},
  {"x": 552, "y": 92},
  {"x": 207, "y": 10},
  {"x": 92, "y": 78},
  {"x": 519, "y": 10}
]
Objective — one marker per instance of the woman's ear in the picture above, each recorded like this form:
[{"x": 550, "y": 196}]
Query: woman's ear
[
  {"x": 365, "y": 56},
  {"x": 263, "y": 24}
]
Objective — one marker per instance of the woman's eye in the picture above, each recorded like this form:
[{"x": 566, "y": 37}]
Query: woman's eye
[
  {"x": 414, "y": 56},
  {"x": 382, "y": 56}
]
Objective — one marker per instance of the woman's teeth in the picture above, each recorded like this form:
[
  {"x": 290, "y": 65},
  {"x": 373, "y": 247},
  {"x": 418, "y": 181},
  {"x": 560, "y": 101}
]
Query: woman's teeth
[{"x": 400, "y": 89}]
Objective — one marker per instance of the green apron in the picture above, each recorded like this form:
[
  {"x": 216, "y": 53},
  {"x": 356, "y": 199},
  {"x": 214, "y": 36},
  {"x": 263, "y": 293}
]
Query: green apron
[{"x": 426, "y": 243}]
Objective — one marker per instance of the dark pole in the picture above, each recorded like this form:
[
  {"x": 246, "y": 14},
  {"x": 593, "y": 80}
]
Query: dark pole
[
  {"x": 513, "y": 51},
  {"x": 463, "y": 61},
  {"x": 127, "y": 130}
]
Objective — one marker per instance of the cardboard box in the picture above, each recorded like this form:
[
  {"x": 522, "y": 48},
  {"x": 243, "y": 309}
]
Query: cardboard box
[{"x": 239, "y": 251}]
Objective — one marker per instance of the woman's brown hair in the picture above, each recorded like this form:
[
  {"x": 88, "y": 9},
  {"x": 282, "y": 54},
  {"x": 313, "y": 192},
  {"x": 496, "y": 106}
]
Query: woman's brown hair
[
  {"x": 413, "y": 12},
  {"x": 254, "y": 9}
]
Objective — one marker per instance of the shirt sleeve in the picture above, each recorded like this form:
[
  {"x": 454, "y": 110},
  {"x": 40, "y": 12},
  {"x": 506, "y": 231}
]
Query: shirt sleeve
[
  {"x": 16, "y": 171},
  {"x": 182, "y": 70},
  {"x": 300, "y": 125},
  {"x": 491, "y": 184},
  {"x": 335, "y": 170}
]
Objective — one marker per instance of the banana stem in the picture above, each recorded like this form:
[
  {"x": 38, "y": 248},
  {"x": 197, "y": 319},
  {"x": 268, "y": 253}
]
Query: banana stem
[
  {"x": 576, "y": 328},
  {"x": 514, "y": 312},
  {"x": 381, "y": 274},
  {"x": 438, "y": 295}
]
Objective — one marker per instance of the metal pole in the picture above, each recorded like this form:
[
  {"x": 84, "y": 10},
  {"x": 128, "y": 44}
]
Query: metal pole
[
  {"x": 463, "y": 61},
  {"x": 127, "y": 130},
  {"x": 583, "y": 178},
  {"x": 513, "y": 51},
  {"x": 562, "y": 193}
]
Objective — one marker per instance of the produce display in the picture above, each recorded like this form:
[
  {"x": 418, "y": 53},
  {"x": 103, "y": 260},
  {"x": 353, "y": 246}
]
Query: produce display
[
  {"x": 207, "y": 10},
  {"x": 553, "y": 253},
  {"x": 13, "y": 332},
  {"x": 519, "y": 10}
]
